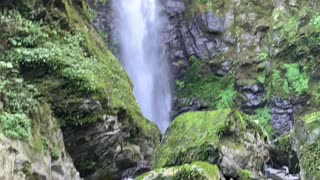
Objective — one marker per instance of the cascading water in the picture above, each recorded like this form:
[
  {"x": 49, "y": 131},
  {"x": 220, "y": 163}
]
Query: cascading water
[{"x": 143, "y": 57}]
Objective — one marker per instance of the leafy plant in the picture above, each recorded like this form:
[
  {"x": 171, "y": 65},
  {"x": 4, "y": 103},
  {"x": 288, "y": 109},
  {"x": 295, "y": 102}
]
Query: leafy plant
[
  {"x": 297, "y": 80},
  {"x": 226, "y": 97},
  {"x": 262, "y": 56},
  {"x": 316, "y": 21},
  {"x": 16, "y": 126},
  {"x": 293, "y": 82},
  {"x": 264, "y": 118},
  {"x": 180, "y": 84},
  {"x": 55, "y": 153}
]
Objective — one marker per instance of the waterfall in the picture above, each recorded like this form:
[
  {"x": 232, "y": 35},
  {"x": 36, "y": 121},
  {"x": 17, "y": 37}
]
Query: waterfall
[{"x": 143, "y": 57}]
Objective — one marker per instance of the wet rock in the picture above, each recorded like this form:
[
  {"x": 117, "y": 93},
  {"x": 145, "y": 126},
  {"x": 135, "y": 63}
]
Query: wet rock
[
  {"x": 221, "y": 69},
  {"x": 103, "y": 149},
  {"x": 252, "y": 98},
  {"x": 195, "y": 170},
  {"x": 141, "y": 167},
  {"x": 282, "y": 119},
  {"x": 212, "y": 24},
  {"x": 187, "y": 104},
  {"x": 173, "y": 7},
  {"x": 282, "y": 154},
  {"x": 280, "y": 174}
]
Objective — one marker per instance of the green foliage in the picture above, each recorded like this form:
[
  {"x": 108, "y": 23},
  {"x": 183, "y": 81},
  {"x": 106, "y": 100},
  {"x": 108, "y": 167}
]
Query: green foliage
[
  {"x": 264, "y": 118},
  {"x": 16, "y": 126},
  {"x": 262, "y": 56},
  {"x": 218, "y": 91},
  {"x": 244, "y": 174},
  {"x": 180, "y": 84},
  {"x": 298, "y": 81},
  {"x": 310, "y": 160},
  {"x": 294, "y": 82},
  {"x": 92, "y": 14},
  {"x": 67, "y": 49},
  {"x": 19, "y": 100},
  {"x": 226, "y": 97},
  {"x": 20, "y": 31},
  {"x": 316, "y": 21},
  {"x": 55, "y": 153}
]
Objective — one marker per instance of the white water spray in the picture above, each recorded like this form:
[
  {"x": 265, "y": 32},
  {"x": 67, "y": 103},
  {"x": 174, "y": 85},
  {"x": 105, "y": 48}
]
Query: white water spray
[{"x": 143, "y": 57}]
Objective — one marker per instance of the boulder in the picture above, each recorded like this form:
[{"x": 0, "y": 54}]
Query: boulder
[
  {"x": 195, "y": 170},
  {"x": 219, "y": 137}
]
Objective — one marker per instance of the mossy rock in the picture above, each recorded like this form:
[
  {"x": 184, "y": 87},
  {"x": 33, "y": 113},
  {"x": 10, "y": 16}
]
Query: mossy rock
[
  {"x": 193, "y": 171},
  {"x": 219, "y": 137},
  {"x": 281, "y": 153},
  {"x": 200, "y": 143},
  {"x": 310, "y": 161}
]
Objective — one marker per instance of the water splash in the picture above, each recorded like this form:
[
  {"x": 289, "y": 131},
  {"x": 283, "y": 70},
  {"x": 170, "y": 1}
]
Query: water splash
[{"x": 143, "y": 57}]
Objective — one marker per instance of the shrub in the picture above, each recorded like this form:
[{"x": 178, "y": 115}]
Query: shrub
[
  {"x": 298, "y": 81},
  {"x": 16, "y": 126},
  {"x": 262, "y": 56},
  {"x": 264, "y": 118},
  {"x": 316, "y": 22}
]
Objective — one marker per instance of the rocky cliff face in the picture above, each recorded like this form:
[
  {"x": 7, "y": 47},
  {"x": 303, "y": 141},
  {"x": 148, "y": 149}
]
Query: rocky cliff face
[
  {"x": 54, "y": 62},
  {"x": 256, "y": 56}
]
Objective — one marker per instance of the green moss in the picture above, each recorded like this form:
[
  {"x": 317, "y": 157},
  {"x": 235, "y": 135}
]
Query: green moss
[
  {"x": 201, "y": 143},
  {"x": 217, "y": 91},
  {"x": 245, "y": 174},
  {"x": 55, "y": 153},
  {"x": 195, "y": 7},
  {"x": 291, "y": 81},
  {"x": 284, "y": 143},
  {"x": 312, "y": 121},
  {"x": 195, "y": 170},
  {"x": 310, "y": 160}
]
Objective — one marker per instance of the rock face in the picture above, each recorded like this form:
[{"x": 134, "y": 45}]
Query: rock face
[
  {"x": 305, "y": 141},
  {"x": 107, "y": 148},
  {"x": 23, "y": 160},
  {"x": 253, "y": 98},
  {"x": 196, "y": 170},
  {"x": 219, "y": 137},
  {"x": 282, "y": 119},
  {"x": 200, "y": 36}
]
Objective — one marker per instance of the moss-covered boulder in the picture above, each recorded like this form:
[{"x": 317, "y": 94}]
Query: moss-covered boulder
[
  {"x": 193, "y": 171},
  {"x": 306, "y": 142},
  {"x": 219, "y": 137}
]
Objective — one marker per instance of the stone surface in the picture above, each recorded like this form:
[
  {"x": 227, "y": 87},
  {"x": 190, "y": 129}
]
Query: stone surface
[
  {"x": 43, "y": 157},
  {"x": 103, "y": 149},
  {"x": 282, "y": 119},
  {"x": 195, "y": 170},
  {"x": 218, "y": 137}
]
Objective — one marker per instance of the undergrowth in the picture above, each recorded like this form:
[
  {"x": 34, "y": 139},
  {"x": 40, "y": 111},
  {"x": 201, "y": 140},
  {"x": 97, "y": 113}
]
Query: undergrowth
[{"x": 218, "y": 91}]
